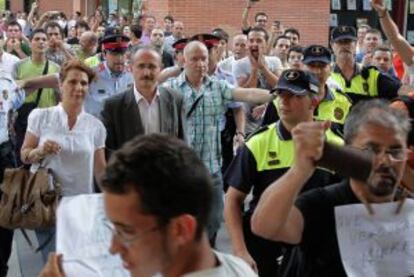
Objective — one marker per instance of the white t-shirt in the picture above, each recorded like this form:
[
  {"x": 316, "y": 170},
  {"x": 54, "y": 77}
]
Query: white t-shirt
[
  {"x": 242, "y": 69},
  {"x": 73, "y": 166},
  {"x": 230, "y": 266},
  {"x": 227, "y": 64},
  {"x": 8, "y": 62}
]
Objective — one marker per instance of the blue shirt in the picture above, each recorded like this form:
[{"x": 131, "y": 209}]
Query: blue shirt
[
  {"x": 107, "y": 85},
  {"x": 203, "y": 125}
]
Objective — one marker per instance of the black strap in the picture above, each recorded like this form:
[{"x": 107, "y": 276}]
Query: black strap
[
  {"x": 194, "y": 106},
  {"x": 40, "y": 90},
  {"x": 30, "y": 243}
]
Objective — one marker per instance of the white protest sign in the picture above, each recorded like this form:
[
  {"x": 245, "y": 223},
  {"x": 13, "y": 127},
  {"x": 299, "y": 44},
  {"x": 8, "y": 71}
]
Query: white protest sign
[
  {"x": 83, "y": 239},
  {"x": 379, "y": 245}
]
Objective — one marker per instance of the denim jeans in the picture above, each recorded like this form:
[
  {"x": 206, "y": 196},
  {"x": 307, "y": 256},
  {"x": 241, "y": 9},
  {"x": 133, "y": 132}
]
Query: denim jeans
[
  {"x": 46, "y": 235},
  {"x": 217, "y": 206}
]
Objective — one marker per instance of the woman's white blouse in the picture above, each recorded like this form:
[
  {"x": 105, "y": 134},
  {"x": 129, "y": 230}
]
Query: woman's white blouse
[{"x": 73, "y": 166}]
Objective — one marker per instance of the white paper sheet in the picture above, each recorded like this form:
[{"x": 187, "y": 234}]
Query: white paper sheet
[
  {"x": 83, "y": 239},
  {"x": 379, "y": 245}
]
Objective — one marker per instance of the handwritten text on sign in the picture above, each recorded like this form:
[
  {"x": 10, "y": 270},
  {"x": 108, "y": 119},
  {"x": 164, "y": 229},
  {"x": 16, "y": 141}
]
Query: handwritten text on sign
[{"x": 379, "y": 245}]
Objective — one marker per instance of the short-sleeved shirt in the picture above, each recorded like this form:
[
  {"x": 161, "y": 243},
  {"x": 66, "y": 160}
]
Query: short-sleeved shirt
[
  {"x": 73, "y": 165},
  {"x": 203, "y": 125},
  {"x": 243, "y": 173},
  {"x": 10, "y": 99},
  {"x": 106, "y": 85},
  {"x": 26, "y": 69},
  {"x": 8, "y": 63},
  {"x": 318, "y": 253},
  {"x": 242, "y": 69}
]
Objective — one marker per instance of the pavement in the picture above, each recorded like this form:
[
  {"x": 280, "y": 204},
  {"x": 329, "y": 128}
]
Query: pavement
[{"x": 25, "y": 263}]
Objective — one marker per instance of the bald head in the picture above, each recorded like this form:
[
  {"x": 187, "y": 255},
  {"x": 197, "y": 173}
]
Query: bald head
[
  {"x": 146, "y": 67},
  {"x": 89, "y": 42},
  {"x": 88, "y": 37},
  {"x": 194, "y": 46},
  {"x": 195, "y": 60}
]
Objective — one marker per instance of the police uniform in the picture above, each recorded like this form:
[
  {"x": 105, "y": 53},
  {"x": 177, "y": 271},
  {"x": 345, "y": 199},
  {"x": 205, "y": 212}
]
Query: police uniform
[
  {"x": 266, "y": 156},
  {"x": 334, "y": 106},
  {"x": 367, "y": 82},
  {"x": 108, "y": 82}
]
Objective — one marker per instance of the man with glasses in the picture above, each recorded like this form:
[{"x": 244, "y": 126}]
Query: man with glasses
[
  {"x": 260, "y": 18},
  {"x": 307, "y": 221},
  {"x": 157, "y": 196}
]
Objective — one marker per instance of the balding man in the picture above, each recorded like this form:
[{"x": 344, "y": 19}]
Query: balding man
[
  {"x": 88, "y": 43},
  {"x": 177, "y": 33},
  {"x": 239, "y": 52},
  {"x": 144, "y": 109},
  {"x": 205, "y": 100}
]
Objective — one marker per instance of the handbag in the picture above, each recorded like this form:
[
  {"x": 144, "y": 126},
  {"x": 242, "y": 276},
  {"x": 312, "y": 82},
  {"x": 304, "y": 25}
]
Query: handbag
[{"x": 29, "y": 200}]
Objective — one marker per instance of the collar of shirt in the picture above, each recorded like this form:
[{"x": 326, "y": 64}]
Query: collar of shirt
[
  {"x": 138, "y": 96},
  {"x": 357, "y": 69},
  {"x": 329, "y": 96},
  {"x": 224, "y": 75},
  {"x": 182, "y": 79},
  {"x": 282, "y": 132},
  {"x": 64, "y": 115}
]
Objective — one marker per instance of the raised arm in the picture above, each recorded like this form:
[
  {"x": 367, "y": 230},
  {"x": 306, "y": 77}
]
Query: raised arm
[
  {"x": 276, "y": 217},
  {"x": 401, "y": 45}
]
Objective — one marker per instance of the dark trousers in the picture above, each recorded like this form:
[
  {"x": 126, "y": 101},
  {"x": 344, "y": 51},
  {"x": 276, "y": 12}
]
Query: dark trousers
[
  {"x": 265, "y": 252},
  {"x": 6, "y": 236}
]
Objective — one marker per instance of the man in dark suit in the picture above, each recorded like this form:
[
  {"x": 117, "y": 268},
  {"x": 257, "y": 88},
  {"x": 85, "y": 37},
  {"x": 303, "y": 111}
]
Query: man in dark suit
[{"x": 146, "y": 108}]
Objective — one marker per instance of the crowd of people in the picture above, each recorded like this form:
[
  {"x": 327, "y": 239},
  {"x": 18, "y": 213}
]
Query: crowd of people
[{"x": 218, "y": 117}]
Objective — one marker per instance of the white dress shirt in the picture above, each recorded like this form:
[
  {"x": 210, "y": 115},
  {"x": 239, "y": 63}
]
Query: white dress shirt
[{"x": 149, "y": 112}]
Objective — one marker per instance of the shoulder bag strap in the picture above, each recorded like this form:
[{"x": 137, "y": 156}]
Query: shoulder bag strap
[{"x": 39, "y": 91}]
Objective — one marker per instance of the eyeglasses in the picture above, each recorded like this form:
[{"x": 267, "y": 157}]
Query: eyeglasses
[
  {"x": 128, "y": 239},
  {"x": 395, "y": 154}
]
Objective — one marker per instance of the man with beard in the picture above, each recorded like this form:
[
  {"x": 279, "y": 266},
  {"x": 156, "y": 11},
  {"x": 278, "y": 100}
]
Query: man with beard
[
  {"x": 307, "y": 221},
  {"x": 113, "y": 76},
  {"x": 157, "y": 42},
  {"x": 239, "y": 51},
  {"x": 357, "y": 82},
  {"x": 256, "y": 71}
]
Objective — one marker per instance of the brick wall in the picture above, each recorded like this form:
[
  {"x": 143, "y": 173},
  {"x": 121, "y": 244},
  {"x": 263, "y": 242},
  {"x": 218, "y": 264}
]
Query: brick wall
[{"x": 310, "y": 17}]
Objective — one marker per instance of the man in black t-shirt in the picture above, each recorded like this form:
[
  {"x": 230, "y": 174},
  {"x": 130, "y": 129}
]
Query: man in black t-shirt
[{"x": 308, "y": 221}]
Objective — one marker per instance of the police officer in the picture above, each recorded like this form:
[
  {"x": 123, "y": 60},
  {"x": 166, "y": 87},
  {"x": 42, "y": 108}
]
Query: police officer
[
  {"x": 266, "y": 156},
  {"x": 357, "y": 82},
  {"x": 334, "y": 105},
  {"x": 113, "y": 76},
  {"x": 10, "y": 100}
]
